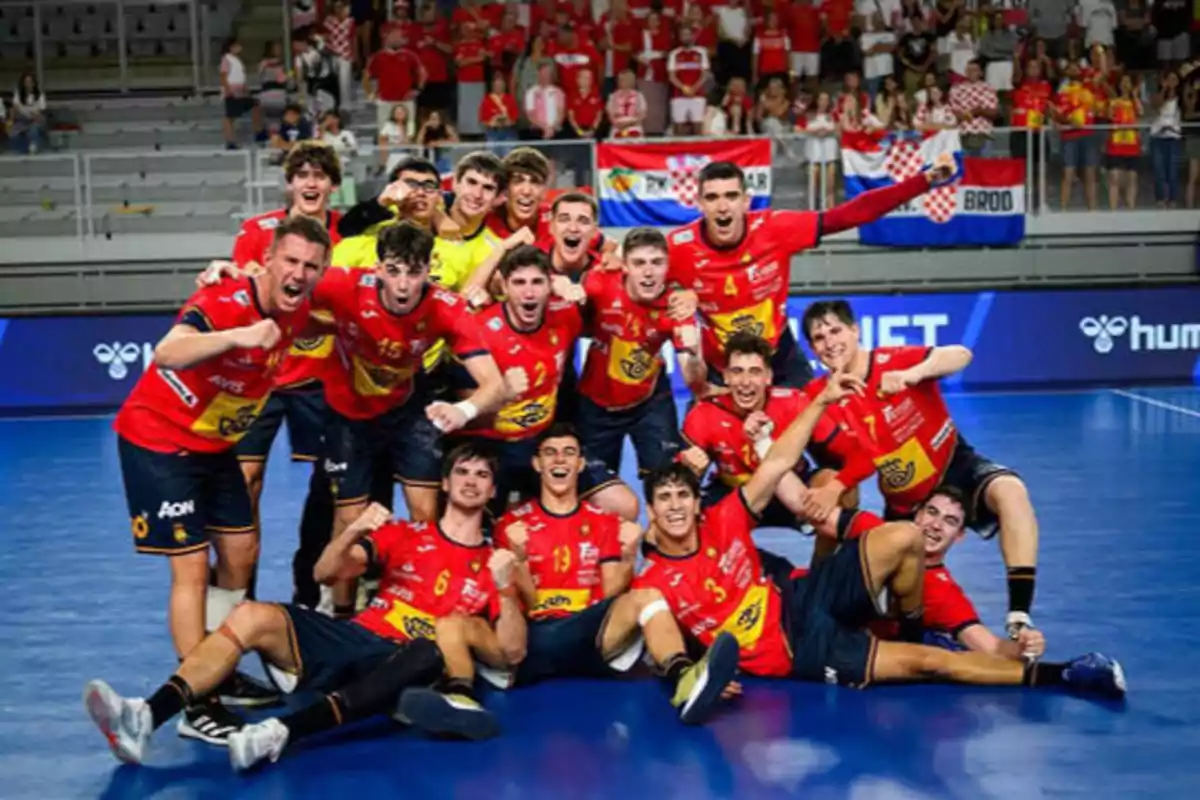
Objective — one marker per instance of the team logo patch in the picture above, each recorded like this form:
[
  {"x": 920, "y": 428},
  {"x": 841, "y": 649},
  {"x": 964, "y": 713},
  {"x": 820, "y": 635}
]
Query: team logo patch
[{"x": 140, "y": 526}]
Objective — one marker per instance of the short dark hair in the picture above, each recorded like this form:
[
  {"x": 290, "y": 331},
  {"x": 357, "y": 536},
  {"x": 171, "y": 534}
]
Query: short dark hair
[
  {"x": 820, "y": 310},
  {"x": 313, "y": 153},
  {"x": 471, "y": 450},
  {"x": 485, "y": 163},
  {"x": 405, "y": 242},
  {"x": 720, "y": 171},
  {"x": 748, "y": 343},
  {"x": 644, "y": 237},
  {"x": 525, "y": 255},
  {"x": 576, "y": 197},
  {"x": 417, "y": 164},
  {"x": 559, "y": 430},
  {"x": 528, "y": 161},
  {"x": 672, "y": 473},
  {"x": 950, "y": 493},
  {"x": 306, "y": 228}
]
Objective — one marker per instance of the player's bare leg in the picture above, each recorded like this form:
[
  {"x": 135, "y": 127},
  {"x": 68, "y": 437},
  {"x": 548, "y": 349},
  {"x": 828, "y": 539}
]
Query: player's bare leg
[
  {"x": 255, "y": 473},
  {"x": 698, "y": 685},
  {"x": 893, "y": 557},
  {"x": 453, "y": 708},
  {"x": 129, "y": 723},
  {"x": 422, "y": 502},
  {"x": 1008, "y": 499},
  {"x": 616, "y": 498},
  {"x": 345, "y": 593},
  {"x": 826, "y": 543},
  {"x": 186, "y": 607},
  {"x": 901, "y": 661}
]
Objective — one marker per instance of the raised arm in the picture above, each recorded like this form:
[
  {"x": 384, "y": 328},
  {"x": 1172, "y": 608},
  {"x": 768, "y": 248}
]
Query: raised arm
[
  {"x": 940, "y": 362},
  {"x": 345, "y": 557},
  {"x": 186, "y": 345}
]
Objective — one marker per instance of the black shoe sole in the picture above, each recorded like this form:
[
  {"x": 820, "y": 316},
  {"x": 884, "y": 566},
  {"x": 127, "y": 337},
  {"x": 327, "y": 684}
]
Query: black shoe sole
[
  {"x": 721, "y": 668},
  {"x": 432, "y": 712}
]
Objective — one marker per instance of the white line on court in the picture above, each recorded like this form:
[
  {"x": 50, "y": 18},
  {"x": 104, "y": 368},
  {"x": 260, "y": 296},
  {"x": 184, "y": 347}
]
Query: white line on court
[
  {"x": 46, "y": 417},
  {"x": 1150, "y": 401}
]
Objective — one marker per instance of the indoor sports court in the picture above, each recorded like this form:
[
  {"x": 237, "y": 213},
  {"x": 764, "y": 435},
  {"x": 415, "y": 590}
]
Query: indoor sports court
[{"x": 1113, "y": 474}]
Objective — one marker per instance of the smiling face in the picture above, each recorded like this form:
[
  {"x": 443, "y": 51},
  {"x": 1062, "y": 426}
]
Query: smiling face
[
  {"x": 941, "y": 521},
  {"x": 475, "y": 193},
  {"x": 310, "y": 188},
  {"x": 470, "y": 485},
  {"x": 525, "y": 193},
  {"x": 401, "y": 284},
  {"x": 674, "y": 509},
  {"x": 748, "y": 377},
  {"x": 527, "y": 291},
  {"x": 294, "y": 266},
  {"x": 646, "y": 273},
  {"x": 573, "y": 228},
  {"x": 559, "y": 461},
  {"x": 833, "y": 341},
  {"x": 725, "y": 203}
]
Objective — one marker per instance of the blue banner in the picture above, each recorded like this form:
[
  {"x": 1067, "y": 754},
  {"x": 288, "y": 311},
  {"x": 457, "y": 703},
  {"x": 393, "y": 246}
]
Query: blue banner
[{"x": 1021, "y": 339}]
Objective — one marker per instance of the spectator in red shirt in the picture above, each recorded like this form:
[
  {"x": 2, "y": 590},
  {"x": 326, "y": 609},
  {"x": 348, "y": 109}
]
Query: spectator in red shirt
[
  {"x": 394, "y": 76},
  {"x": 585, "y": 108},
  {"x": 470, "y": 57},
  {"x": 434, "y": 48},
  {"x": 498, "y": 112},
  {"x": 688, "y": 69},
  {"x": 507, "y": 44},
  {"x": 804, "y": 36},
  {"x": 771, "y": 50},
  {"x": 572, "y": 55},
  {"x": 620, "y": 38}
]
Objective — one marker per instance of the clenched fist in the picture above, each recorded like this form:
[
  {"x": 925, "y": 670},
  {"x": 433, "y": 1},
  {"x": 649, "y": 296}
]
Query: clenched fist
[
  {"x": 375, "y": 517},
  {"x": 630, "y": 536},
  {"x": 695, "y": 459},
  {"x": 517, "y": 535},
  {"x": 757, "y": 425},
  {"x": 265, "y": 334},
  {"x": 501, "y": 566},
  {"x": 516, "y": 382}
]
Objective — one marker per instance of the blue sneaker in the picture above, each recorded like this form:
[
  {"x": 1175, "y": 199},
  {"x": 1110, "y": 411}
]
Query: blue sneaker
[
  {"x": 1095, "y": 673},
  {"x": 942, "y": 640}
]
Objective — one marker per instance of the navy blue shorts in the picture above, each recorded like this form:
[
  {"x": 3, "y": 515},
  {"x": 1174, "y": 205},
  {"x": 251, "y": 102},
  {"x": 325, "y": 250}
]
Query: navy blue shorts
[
  {"x": 304, "y": 410},
  {"x": 970, "y": 473},
  {"x": 653, "y": 426},
  {"x": 789, "y": 365},
  {"x": 176, "y": 500},
  {"x": 403, "y": 436},
  {"x": 330, "y": 652},
  {"x": 566, "y": 648},
  {"x": 825, "y": 613}
]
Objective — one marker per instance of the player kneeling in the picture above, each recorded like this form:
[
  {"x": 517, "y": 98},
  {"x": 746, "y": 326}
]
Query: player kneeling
[
  {"x": 438, "y": 579},
  {"x": 575, "y": 564},
  {"x": 812, "y": 628}
]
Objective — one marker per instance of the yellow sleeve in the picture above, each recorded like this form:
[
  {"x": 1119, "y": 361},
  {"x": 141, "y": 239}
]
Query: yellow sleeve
[{"x": 451, "y": 264}]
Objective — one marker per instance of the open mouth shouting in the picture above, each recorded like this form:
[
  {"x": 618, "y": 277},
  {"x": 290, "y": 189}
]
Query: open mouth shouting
[
  {"x": 311, "y": 200},
  {"x": 560, "y": 472},
  {"x": 525, "y": 206},
  {"x": 294, "y": 292}
]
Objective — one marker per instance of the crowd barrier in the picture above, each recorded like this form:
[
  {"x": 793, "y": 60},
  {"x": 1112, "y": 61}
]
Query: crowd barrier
[{"x": 1021, "y": 339}]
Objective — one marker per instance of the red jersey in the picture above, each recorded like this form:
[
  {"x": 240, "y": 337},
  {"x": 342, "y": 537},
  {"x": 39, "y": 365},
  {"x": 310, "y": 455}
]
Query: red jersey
[
  {"x": 426, "y": 576},
  {"x": 718, "y": 428},
  {"x": 542, "y": 354},
  {"x": 506, "y": 47},
  {"x": 688, "y": 65},
  {"x": 1078, "y": 103},
  {"x": 571, "y": 62},
  {"x": 396, "y": 72},
  {"x": 379, "y": 352},
  {"x": 771, "y": 49},
  {"x": 1124, "y": 141},
  {"x": 588, "y": 110},
  {"x": 492, "y": 107},
  {"x": 470, "y": 73},
  {"x": 624, "y": 360},
  {"x": 305, "y": 362},
  {"x": 208, "y": 407},
  {"x": 497, "y": 222},
  {"x": 721, "y": 588},
  {"x": 909, "y": 436},
  {"x": 805, "y": 29},
  {"x": 565, "y": 554},
  {"x": 744, "y": 287},
  {"x": 1029, "y": 103},
  {"x": 433, "y": 58}
]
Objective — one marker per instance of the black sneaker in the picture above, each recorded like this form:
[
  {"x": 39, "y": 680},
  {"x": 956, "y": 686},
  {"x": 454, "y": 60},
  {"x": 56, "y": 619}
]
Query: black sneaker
[
  {"x": 451, "y": 715},
  {"x": 209, "y": 722},
  {"x": 239, "y": 689}
]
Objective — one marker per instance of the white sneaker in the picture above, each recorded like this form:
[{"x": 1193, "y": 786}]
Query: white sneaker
[
  {"x": 211, "y": 723},
  {"x": 253, "y": 743},
  {"x": 1015, "y": 622},
  {"x": 126, "y": 723}
]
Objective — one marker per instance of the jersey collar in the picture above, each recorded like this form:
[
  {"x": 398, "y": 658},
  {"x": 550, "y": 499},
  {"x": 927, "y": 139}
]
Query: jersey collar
[
  {"x": 508, "y": 321},
  {"x": 567, "y": 515},
  {"x": 254, "y": 299}
]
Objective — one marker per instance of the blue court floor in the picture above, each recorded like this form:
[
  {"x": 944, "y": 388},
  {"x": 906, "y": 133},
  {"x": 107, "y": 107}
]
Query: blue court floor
[{"x": 1116, "y": 480}]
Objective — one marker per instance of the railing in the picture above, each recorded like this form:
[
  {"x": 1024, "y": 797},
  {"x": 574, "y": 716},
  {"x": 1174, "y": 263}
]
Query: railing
[{"x": 104, "y": 186}]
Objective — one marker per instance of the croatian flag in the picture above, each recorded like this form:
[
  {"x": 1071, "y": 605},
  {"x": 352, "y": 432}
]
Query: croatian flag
[
  {"x": 984, "y": 205},
  {"x": 654, "y": 183}
]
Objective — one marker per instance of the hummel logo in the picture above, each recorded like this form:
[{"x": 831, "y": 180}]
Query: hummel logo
[{"x": 1103, "y": 331}]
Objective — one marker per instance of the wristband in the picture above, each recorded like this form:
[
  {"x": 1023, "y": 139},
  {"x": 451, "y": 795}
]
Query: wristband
[
  {"x": 762, "y": 445},
  {"x": 468, "y": 409}
]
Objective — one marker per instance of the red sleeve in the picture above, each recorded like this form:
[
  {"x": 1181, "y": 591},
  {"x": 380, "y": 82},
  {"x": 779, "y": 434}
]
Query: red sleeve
[
  {"x": 609, "y": 537},
  {"x": 890, "y": 359},
  {"x": 248, "y": 245},
  {"x": 500, "y": 533},
  {"x": 510, "y": 105},
  {"x": 487, "y": 109},
  {"x": 336, "y": 288},
  {"x": 213, "y": 308},
  {"x": 870, "y": 206},
  {"x": 695, "y": 427},
  {"x": 653, "y": 576},
  {"x": 853, "y": 523},
  {"x": 733, "y": 518},
  {"x": 681, "y": 260},
  {"x": 947, "y": 607},
  {"x": 384, "y": 545},
  {"x": 569, "y": 317},
  {"x": 795, "y": 230},
  {"x": 460, "y": 328}
]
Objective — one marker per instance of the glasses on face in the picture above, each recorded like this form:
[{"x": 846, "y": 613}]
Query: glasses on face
[{"x": 428, "y": 187}]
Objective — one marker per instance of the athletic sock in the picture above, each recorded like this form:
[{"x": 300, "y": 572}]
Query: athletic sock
[
  {"x": 459, "y": 686},
  {"x": 343, "y": 611},
  {"x": 675, "y": 667},
  {"x": 171, "y": 698},
  {"x": 322, "y": 715},
  {"x": 1044, "y": 673},
  {"x": 1020, "y": 588},
  {"x": 912, "y": 627}
]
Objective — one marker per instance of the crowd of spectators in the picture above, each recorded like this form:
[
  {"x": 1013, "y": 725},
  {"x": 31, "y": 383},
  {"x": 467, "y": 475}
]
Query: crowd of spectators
[{"x": 1114, "y": 79}]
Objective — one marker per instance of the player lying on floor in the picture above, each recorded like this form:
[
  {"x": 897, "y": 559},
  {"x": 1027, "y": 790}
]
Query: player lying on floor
[
  {"x": 904, "y": 427},
  {"x": 949, "y": 618},
  {"x": 439, "y": 580},
  {"x": 813, "y": 628},
  {"x": 574, "y": 566}
]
